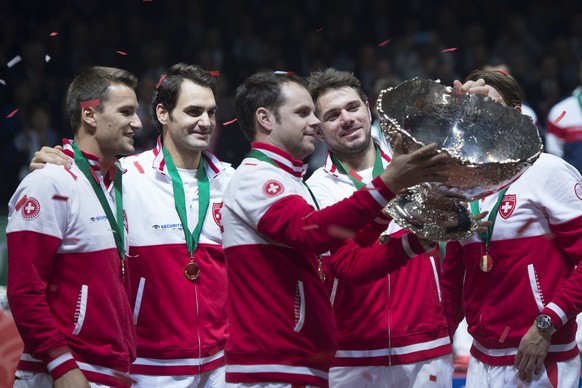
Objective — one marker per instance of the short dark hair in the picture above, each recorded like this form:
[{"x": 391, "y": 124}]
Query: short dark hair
[
  {"x": 321, "y": 82},
  {"x": 168, "y": 89},
  {"x": 504, "y": 83},
  {"x": 261, "y": 90},
  {"x": 91, "y": 84}
]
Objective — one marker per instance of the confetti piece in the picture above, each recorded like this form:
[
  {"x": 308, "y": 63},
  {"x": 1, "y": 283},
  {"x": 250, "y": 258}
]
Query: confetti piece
[
  {"x": 432, "y": 378},
  {"x": 89, "y": 103},
  {"x": 47, "y": 58},
  {"x": 2, "y": 82},
  {"x": 14, "y": 61},
  {"x": 162, "y": 78},
  {"x": 449, "y": 50},
  {"x": 504, "y": 335},
  {"x": 120, "y": 52},
  {"x": 214, "y": 73},
  {"x": 340, "y": 232},
  {"x": 11, "y": 114},
  {"x": 366, "y": 188},
  {"x": 502, "y": 72},
  {"x": 384, "y": 43},
  {"x": 54, "y": 33},
  {"x": 229, "y": 122},
  {"x": 525, "y": 226},
  {"x": 310, "y": 227},
  {"x": 60, "y": 198},
  {"x": 280, "y": 72},
  {"x": 320, "y": 29},
  {"x": 560, "y": 117}
]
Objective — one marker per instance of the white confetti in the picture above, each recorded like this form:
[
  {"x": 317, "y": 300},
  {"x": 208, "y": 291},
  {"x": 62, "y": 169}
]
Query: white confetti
[
  {"x": 47, "y": 58},
  {"x": 2, "y": 82},
  {"x": 14, "y": 61}
]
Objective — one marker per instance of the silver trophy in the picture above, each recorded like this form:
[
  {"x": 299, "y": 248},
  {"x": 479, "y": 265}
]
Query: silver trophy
[{"x": 490, "y": 146}]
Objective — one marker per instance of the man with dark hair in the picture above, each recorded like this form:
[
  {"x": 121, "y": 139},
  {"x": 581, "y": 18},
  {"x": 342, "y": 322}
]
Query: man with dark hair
[
  {"x": 390, "y": 334},
  {"x": 520, "y": 284},
  {"x": 282, "y": 330},
  {"x": 67, "y": 280}
]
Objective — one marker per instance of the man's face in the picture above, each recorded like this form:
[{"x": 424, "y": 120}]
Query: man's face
[
  {"x": 345, "y": 121},
  {"x": 294, "y": 132},
  {"x": 117, "y": 121},
  {"x": 189, "y": 126}
]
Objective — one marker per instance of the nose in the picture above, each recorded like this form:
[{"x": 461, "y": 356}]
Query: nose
[
  {"x": 205, "y": 120},
  {"x": 345, "y": 117},
  {"x": 135, "y": 124},
  {"x": 314, "y": 121}
]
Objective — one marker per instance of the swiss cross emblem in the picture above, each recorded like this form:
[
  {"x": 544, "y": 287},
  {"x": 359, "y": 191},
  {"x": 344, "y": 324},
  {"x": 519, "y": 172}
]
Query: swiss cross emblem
[
  {"x": 273, "y": 188},
  {"x": 507, "y": 205},
  {"x": 578, "y": 190},
  {"x": 216, "y": 214},
  {"x": 30, "y": 209}
]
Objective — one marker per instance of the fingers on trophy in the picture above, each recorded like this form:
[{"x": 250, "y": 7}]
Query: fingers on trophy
[{"x": 490, "y": 146}]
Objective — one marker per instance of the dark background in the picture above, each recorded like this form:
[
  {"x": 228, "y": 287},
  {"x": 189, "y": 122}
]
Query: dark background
[{"x": 540, "y": 40}]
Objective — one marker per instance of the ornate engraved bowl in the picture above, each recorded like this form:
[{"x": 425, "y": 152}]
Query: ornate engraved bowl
[{"x": 490, "y": 146}]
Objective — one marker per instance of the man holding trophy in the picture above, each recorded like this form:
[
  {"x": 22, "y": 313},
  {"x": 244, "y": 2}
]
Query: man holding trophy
[{"x": 518, "y": 284}]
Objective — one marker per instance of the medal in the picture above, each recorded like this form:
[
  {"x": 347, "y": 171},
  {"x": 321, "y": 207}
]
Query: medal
[
  {"x": 486, "y": 262},
  {"x": 192, "y": 270}
]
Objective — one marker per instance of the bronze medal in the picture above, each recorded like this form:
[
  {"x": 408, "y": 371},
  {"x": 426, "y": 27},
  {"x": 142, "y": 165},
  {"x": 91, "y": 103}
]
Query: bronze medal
[
  {"x": 486, "y": 262},
  {"x": 192, "y": 271}
]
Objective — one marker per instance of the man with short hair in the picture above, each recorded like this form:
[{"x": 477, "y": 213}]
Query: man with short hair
[
  {"x": 67, "y": 273},
  {"x": 391, "y": 334}
]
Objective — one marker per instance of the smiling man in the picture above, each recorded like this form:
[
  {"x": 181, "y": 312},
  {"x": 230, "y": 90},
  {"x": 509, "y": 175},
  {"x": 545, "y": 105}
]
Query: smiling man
[
  {"x": 67, "y": 279},
  {"x": 282, "y": 330}
]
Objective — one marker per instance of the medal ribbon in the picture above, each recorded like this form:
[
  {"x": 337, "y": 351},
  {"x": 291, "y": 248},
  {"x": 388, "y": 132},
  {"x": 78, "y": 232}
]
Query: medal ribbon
[
  {"x": 192, "y": 238},
  {"x": 116, "y": 223},
  {"x": 486, "y": 236},
  {"x": 377, "y": 170}
]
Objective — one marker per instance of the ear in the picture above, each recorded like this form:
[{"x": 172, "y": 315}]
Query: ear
[
  {"x": 518, "y": 108},
  {"x": 162, "y": 114},
  {"x": 369, "y": 111},
  {"x": 88, "y": 116},
  {"x": 264, "y": 119}
]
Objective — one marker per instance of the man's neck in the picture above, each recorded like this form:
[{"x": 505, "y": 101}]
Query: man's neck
[
  {"x": 90, "y": 146},
  {"x": 188, "y": 160},
  {"x": 360, "y": 161}
]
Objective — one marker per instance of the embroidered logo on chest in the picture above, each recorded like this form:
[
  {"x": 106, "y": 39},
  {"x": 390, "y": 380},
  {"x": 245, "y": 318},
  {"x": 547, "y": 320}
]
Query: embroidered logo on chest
[
  {"x": 30, "y": 209},
  {"x": 578, "y": 190},
  {"x": 216, "y": 214},
  {"x": 507, "y": 206},
  {"x": 273, "y": 188}
]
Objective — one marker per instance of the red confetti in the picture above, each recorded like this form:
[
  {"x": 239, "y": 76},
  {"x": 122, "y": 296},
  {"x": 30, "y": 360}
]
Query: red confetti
[
  {"x": 340, "y": 232},
  {"x": 504, "y": 335},
  {"x": 449, "y": 50},
  {"x": 384, "y": 43},
  {"x": 560, "y": 117},
  {"x": 281, "y": 72},
  {"x": 120, "y": 52},
  {"x": 89, "y": 103},
  {"x": 229, "y": 122},
  {"x": 432, "y": 378},
  {"x": 502, "y": 72},
  {"x": 320, "y": 29},
  {"x": 54, "y": 33},
  {"x": 60, "y": 198},
  {"x": 214, "y": 73},
  {"x": 310, "y": 227},
  {"x": 11, "y": 114},
  {"x": 525, "y": 226},
  {"x": 162, "y": 78}
]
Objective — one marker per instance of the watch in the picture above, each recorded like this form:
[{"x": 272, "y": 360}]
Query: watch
[{"x": 544, "y": 323}]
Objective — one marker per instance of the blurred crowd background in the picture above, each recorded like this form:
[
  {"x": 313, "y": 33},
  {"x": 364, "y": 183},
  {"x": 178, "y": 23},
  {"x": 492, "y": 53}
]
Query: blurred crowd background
[{"x": 44, "y": 44}]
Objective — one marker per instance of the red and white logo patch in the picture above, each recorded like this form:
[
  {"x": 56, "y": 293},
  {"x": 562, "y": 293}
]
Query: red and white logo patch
[
  {"x": 507, "y": 206},
  {"x": 273, "y": 188},
  {"x": 578, "y": 190},
  {"x": 216, "y": 214},
  {"x": 30, "y": 209}
]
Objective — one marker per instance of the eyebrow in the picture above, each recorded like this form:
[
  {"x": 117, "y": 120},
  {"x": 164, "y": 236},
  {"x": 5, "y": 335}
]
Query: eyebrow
[{"x": 332, "y": 110}]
